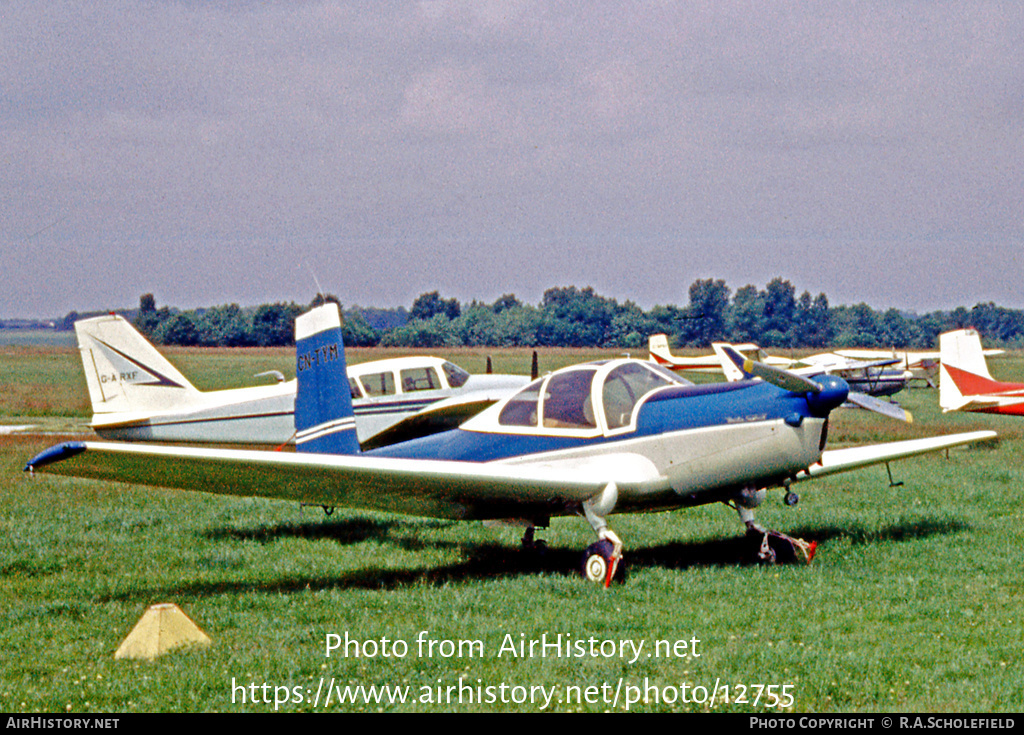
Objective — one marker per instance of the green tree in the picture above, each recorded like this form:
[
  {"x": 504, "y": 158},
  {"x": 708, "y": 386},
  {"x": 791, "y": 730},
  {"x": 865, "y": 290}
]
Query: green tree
[
  {"x": 178, "y": 329},
  {"x": 149, "y": 318},
  {"x": 273, "y": 325},
  {"x": 428, "y": 305},
  {"x": 746, "y": 315},
  {"x": 709, "y": 300},
  {"x": 857, "y": 326},
  {"x": 779, "y": 308},
  {"x": 812, "y": 322},
  {"x": 225, "y": 326},
  {"x": 505, "y": 302},
  {"x": 575, "y": 318},
  {"x": 896, "y": 330}
]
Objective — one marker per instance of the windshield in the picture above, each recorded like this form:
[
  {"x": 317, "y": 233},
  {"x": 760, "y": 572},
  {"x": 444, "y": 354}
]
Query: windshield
[{"x": 457, "y": 377}]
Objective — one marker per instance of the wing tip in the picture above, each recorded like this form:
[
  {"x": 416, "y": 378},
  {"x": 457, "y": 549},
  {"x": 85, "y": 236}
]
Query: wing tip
[{"x": 54, "y": 454}]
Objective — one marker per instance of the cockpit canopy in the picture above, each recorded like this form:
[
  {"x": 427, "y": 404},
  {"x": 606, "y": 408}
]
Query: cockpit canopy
[{"x": 585, "y": 399}]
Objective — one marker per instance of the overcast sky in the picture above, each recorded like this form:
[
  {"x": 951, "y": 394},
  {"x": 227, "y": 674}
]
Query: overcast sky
[{"x": 213, "y": 152}]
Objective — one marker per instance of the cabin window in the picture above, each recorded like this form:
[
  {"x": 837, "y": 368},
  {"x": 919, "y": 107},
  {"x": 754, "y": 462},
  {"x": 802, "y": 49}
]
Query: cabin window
[
  {"x": 624, "y": 387},
  {"x": 353, "y": 388},
  {"x": 457, "y": 377},
  {"x": 415, "y": 379},
  {"x": 378, "y": 384},
  {"x": 521, "y": 409},
  {"x": 567, "y": 402}
]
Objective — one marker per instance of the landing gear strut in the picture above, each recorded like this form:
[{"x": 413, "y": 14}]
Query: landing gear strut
[
  {"x": 602, "y": 562},
  {"x": 530, "y": 543},
  {"x": 771, "y": 547}
]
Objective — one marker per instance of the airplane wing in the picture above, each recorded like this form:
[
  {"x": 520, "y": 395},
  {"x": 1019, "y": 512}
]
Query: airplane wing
[
  {"x": 433, "y": 488},
  {"x": 834, "y": 362},
  {"x": 435, "y": 418},
  {"x": 852, "y": 458}
]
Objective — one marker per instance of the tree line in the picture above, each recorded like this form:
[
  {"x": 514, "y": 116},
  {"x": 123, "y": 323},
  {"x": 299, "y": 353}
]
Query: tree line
[{"x": 774, "y": 316}]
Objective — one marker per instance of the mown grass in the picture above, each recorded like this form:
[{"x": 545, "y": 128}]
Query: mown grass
[{"x": 913, "y": 603}]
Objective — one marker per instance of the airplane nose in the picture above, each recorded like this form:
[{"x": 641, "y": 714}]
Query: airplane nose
[{"x": 833, "y": 393}]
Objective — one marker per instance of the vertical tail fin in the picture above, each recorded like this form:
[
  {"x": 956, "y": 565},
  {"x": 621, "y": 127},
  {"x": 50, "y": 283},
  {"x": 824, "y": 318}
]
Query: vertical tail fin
[
  {"x": 124, "y": 372},
  {"x": 963, "y": 371},
  {"x": 324, "y": 419},
  {"x": 657, "y": 346},
  {"x": 732, "y": 361}
]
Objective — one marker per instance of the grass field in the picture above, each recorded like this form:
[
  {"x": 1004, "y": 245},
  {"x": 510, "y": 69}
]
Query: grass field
[{"x": 914, "y": 602}]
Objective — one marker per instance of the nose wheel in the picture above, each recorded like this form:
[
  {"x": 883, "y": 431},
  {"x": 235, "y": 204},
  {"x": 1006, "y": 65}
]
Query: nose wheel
[
  {"x": 602, "y": 561},
  {"x": 601, "y": 565}
]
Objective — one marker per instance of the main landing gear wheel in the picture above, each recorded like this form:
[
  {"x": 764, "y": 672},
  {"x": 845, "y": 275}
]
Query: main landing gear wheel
[
  {"x": 532, "y": 544},
  {"x": 599, "y": 564}
]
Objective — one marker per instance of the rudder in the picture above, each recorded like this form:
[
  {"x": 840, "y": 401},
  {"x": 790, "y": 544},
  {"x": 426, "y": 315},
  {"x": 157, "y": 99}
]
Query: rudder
[{"x": 324, "y": 417}]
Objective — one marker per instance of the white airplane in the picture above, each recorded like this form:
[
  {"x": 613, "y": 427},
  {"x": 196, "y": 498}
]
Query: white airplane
[
  {"x": 873, "y": 378},
  {"x": 611, "y": 436},
  {"x": 138, "y": 395},
  {"x": 922, "y": 365},
  {"x": 661, "y": 354},
  {"x": 965, "y": 383}
]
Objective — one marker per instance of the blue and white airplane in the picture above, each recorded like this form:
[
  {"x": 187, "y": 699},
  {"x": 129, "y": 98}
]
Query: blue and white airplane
[
  {"x": 138, "y": 395},
  {"x": 616, "y": 436}
]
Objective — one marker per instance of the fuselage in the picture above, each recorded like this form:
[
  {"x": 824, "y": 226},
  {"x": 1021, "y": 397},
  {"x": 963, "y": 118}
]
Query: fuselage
[
  {"x": 708, "y": 440},
  {"x": 384, "y": 392}
]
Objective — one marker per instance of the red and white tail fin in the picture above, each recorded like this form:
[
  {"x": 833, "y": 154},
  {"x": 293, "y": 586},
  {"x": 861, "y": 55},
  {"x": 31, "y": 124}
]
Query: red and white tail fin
[{"x": 964, "y": 378}]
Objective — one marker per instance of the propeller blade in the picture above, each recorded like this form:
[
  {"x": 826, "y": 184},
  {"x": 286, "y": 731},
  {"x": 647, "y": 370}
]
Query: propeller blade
[
  {"x": 782, "y": 378},
  {"x": 769, "y": 373},
  {"x": 892, "y": 410}
]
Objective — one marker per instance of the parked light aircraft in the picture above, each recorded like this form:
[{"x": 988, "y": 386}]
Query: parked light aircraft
[
  {"x": 617, "y": 435},
  {"x": 872, "y": 377},
  {"x": 737, "y": 367},
  {"x": 138, "y": 395},
  {"x": 965, "y": 383},
  {"x": 661, "y": 354}
]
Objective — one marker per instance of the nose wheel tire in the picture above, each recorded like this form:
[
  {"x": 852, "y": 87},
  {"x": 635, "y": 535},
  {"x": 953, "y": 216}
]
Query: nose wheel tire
[{"x": 600, "y": 565}]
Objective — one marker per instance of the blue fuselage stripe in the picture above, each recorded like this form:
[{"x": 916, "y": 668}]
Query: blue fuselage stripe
[{"x": 674, "y": 409}]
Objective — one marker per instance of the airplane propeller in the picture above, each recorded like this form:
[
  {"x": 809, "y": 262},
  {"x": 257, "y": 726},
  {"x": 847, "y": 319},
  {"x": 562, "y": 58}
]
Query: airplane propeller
[{"x": 795, "y": 383}]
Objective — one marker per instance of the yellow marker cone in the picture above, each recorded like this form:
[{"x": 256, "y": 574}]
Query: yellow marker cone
[{"x": 161, "y": 628}]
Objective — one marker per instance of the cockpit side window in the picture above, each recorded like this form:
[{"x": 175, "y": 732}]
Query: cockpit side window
[
  {"x": 567, "y": 402},
  {"x": 623, "y": 389},
  {"x": 521, "y": 409},
  {"x": 353, "y": 388},
  {"x": 424, "y": 378},
  {"x": 457, "y": 377},
  {"x": 378, "y": 384}
]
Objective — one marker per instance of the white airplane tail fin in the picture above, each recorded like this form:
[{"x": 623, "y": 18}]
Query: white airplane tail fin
[
  {"x": 728, "y": 355},
  {"x": 657, "y": 346},
  {"x": 747, "y": 350},
  {"x": 124, "y": 372},
  {"x": 963, "y": 371}
]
